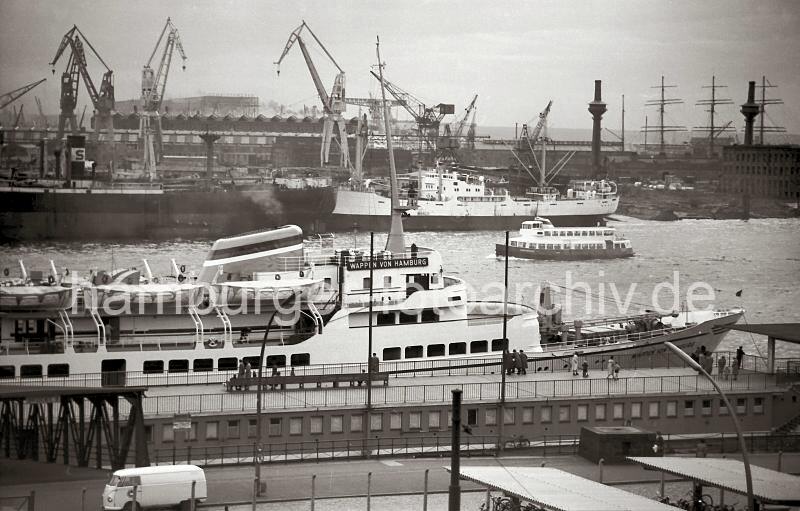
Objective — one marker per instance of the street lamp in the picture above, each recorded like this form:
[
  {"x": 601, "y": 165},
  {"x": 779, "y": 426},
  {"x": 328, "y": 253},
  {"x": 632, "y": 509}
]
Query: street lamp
[
  {"x": 745, "y": 457},
  {"x": 281, "y": 305}
]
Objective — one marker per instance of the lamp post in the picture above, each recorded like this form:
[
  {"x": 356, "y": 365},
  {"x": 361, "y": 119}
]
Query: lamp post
[
  {"x": 745, "y": 457},
  {"x": 260, "y": 387}
]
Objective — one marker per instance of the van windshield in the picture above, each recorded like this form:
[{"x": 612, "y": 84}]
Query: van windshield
[{"x": 125, "y": 481}]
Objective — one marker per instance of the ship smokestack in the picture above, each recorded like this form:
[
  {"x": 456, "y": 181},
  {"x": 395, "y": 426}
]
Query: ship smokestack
[
  {"x": 209, "y": 139},
  {"x": 597, "y": 108},
  {"x": 750, "y": 110}
]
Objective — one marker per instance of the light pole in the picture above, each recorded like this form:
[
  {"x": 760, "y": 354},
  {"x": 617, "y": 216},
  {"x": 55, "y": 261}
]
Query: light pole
[
  {"x": 281, "y": 305},
  {"x": 745, "y": 457}
]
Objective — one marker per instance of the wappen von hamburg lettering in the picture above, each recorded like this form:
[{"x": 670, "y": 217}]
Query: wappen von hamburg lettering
[{"x": 378, "y": 264}]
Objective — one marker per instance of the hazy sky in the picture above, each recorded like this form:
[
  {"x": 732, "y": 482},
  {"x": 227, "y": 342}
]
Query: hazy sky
[{"x": 515, "y": 55}]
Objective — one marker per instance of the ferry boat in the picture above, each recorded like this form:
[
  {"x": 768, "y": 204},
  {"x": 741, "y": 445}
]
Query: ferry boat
[
  {"x": 539, "y": 239},
  {"x": 444, "y": 199}
]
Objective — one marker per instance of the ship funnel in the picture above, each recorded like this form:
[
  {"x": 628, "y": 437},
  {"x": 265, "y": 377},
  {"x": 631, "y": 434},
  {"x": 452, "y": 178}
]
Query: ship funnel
[
  {"x": 750, "y": 110},
  {"x": 597, "y": 108}
]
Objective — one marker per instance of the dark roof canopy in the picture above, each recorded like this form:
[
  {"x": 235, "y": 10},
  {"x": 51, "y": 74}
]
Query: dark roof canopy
[{"x": 789, "y": 332}]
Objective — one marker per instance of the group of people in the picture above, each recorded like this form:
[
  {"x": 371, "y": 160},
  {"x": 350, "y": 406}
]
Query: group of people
[
  {"x": 515, "y": 362},
  {"x": 725, "y": 369},
  {"x": 245, "y": 373},
  {"x": 575, "y": 363}
]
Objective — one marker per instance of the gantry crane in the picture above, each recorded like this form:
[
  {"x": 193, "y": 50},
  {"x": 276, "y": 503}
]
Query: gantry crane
[
  {"x": 102, "y": 99},
  {"x": 333, "y": 104},
  {"x": 9, "y": 97},
  {"x": 153, "y": 85},
  {"x": 428, "y": 119}
]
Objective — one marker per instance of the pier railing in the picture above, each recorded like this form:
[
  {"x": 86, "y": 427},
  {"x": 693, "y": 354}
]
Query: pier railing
[
  {"x": 528, "y": 390},
  {"x": 406, "y": 368}
]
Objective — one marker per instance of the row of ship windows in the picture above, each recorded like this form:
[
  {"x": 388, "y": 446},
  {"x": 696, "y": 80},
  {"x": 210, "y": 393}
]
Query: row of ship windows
[
  {"x": 439, "y": 350},
  {"x": 550, "y": 246},
  {"x": 576, "y": 233},
  {"x": 157, "y": 366},
  {"x": 413, "y": 420}
]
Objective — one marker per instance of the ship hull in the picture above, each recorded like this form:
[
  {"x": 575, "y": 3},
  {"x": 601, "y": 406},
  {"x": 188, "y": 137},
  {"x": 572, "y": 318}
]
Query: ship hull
[
  {"x": 563, "y": 255},
  {"x": 368, "y": 211},
  {"x": 59, "y": 214}
]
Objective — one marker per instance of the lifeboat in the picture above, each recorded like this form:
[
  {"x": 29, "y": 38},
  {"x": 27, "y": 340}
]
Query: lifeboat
[{"x": 34, "y": 298}]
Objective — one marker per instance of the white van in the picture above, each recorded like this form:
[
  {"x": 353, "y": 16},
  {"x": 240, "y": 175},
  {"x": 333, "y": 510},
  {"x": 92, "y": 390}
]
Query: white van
[{"x": 156, "y": 487}]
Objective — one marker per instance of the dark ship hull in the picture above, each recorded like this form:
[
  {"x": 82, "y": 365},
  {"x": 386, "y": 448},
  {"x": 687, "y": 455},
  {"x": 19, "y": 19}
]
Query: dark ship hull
[{"x": 81, "y": 214}]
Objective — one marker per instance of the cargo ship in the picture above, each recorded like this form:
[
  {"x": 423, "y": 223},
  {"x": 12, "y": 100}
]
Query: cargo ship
[
  {"x": 92, "y": 210},
  {"x": 445, "y": 200}
]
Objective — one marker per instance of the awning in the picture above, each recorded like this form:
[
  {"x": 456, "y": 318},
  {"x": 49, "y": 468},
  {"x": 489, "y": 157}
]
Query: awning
[
  {"x": 789, "y": 332},
  {"x": 769, "y": 486},
  {"x": 557, "y": 490}
]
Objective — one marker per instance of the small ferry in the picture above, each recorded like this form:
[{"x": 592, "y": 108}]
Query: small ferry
[{"x": 539, "y": 239}]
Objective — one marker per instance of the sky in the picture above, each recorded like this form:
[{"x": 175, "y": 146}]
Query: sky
[{"x": 516, "y": 55}]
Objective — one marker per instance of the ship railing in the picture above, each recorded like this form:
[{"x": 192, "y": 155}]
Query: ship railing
[{"x": 592, "y": 339}]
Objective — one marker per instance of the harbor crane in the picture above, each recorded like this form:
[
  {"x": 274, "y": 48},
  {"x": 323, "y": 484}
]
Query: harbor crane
[
  {"x": 42, "y": 117},
  {"x": 9, "y": 97},
  {"x": 527, "y": 141},
  {"x": 154, "y": 82},
  {"x": 450, "y": 141},
  {"x": 102, "y": 98},
  {"x": 333, "y": 104},
  {"x": 428, "y": 119}
]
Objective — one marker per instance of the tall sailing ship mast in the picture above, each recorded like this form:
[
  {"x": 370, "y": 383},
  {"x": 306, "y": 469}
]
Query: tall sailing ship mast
[
  {"x": 714, "y": 130},
  {"x": 662, "y": 103},
  {"x": 762, "y": 103}
]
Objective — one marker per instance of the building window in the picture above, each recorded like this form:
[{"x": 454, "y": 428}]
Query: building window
[
  {"x": 527, "y": 415},
  {"x": 376, "y": 422},
  {"x": 153, "y": 367},
  {"x": 636, "y": 410},
  {"x": 688, "y": 408},
  {"x": 563, "y": 413},
  {"x": 356, "y": 423},
  {"x": 490, "y": 416},
  {"x": 510, "y": 416},
  {"x": 395, "y": 420},
  {"x": 387, "y": 281},
  {"x": 478, "y": 347},
  {"x": 391, "y": 353},
  {"x": 653, "y": 409},
  {"x": 458, "y": 348},
  {"x": 672, "y": 408},
  {"x": 600, "y": 412},
  {"x": 415, "y": 420},
  {"x": 706, "y": 407},
  {"x": 758, "y": 405},
  {"x": 167, "y": 433},
  {"x": 434, "y": 420},
  {"x": 315, "y": 425},
  {"x": 413, "y": 351},
  {"x": 619, "y": 411},
  {"x": 252, "y": 428},
  {"x": 212, "y": 430},
  {"x": 546, "y": 414},
  {"x": 741, "y": 406},
  {"x": 436, "y": 350},
  {"x": 366, "y": 283},
  {"x": 275, "y": 426},
  {"x": 337, "y": 423},
  {"x": 583, "y": 412},
  {"x": 472, "y": 417},
  {"x": 192, "y": 433},
  {"x": 295, "y": 425},
  {"x": 233, "y": 429}
]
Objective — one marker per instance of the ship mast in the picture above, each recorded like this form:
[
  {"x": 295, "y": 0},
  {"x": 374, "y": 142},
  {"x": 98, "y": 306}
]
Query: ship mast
[
  {"x": 395, "y": 242},
  {"x": 661, "y": 104},
  {"x": 762, "y": 112},
  {"x": 712, "y": 129}
]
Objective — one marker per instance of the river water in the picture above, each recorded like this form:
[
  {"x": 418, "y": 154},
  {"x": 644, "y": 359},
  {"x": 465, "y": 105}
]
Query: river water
[{"x": 719, "y": 257}]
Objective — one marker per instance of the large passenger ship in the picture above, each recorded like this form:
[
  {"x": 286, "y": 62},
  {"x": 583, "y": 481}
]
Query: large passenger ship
[{"x": 129, "y": 321}]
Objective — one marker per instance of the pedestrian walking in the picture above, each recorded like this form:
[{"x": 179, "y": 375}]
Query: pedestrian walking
[
  {"x": 574, "y": 364},
  {"x": 616, "y": 370},
  {"x": 610, "y": 367},
  {"x": 524, "y": 361},
  {"x": 585, "y": 367},
  {"x": 739, "y": 357},
  {"x": 735, "y": 371},
  {"x": 240, "y": 374},
  {"x": 517, "y": 363},
  {"x": 721, "y": 363}
]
